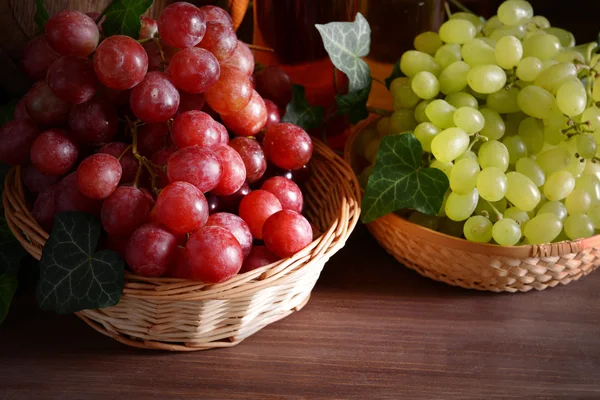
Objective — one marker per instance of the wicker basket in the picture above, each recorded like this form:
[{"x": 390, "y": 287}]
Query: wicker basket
[
  {"x": 479, "y": 266},
  {"x": 180, "y": 315}
]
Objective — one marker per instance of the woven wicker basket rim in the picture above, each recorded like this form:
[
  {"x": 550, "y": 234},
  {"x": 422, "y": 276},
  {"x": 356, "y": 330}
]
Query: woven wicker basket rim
[{"x": 523, "y": 251}]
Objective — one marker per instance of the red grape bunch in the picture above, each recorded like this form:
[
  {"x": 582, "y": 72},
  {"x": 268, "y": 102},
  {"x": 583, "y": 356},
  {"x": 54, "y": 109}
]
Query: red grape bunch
[{"x": 167, "y": 139}]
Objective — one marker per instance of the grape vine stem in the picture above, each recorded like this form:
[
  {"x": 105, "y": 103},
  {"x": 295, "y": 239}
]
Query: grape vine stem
[
  {"x": 461, "y": 7},
  {"x": 260, "y": 48},
  {"x": 375, "y": 110}
]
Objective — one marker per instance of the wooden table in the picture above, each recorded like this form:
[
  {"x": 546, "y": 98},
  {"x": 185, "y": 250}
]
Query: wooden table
[{"x": 372, "y": 330}]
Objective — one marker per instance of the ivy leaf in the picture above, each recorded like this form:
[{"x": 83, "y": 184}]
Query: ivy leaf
[
  {"x": 346, "y": 43},
  {"x": 72, "y": 276},
  {"x": 41, "y": 14},
  {"x": 396, "y": 73},
  {"x": 300, "y": 113},
  {"x": 8, "y": 287},
  {"x": 123, "y": 17},
  {"x": 400, "y": 181},
  {"x": 7, "y": 111},
  {"x": 354, "y": 104}
]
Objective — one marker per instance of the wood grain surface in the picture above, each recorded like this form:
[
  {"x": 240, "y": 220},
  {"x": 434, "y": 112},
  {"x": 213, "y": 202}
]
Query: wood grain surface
[{"x": 372, "y": 330}]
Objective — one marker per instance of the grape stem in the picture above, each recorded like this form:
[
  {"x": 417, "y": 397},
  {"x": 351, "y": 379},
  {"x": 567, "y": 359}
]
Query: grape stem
[
  {"x": 448, "y": 12},
  {"x": 477, "y": 138},
  {"x": 144, "y": 40},
  {"x": 461, "y": 7},
  {"x": 378, "y": 81},
  {"x": 260, "y": 48},
  {"x": 144, "y": 162},
  {"x": 375, "y": 110},
  {"x": 498, "y": 213}
]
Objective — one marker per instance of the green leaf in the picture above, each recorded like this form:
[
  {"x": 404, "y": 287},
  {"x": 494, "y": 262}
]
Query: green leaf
[
  {"x": 300, "y": 113},
  {"x": 72, "y": 276},
  {"x": 41, "y": 14},
  {"x": 396, "y": 73},
  {"x": 400, "y": 181},
  {"x": 8, "y": 287},
  {"x": 354, "y": 104},
  {"x": 7, "y": 111},
  {"x": 123, "y": 17},
  {"x": 346, "y": 43}
]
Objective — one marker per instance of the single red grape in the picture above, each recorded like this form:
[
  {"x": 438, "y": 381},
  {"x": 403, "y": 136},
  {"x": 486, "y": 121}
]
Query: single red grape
[
  {"x": 253, "y": 156},
  {"x": 98, "y": 175},
  {"x": 273, "y": 115},
  {"x": 213, "y": 203},
  {"x": 190, "y": 101},
  {"x": 195, "y": 128},
  {"x": 286, "y": 233},
  {"x": 197, "y": 165},
  {"x": 72, "y": 79},
  {"x": 129, "y": 164},
  {"x": 152, "y": 138},
  {"x": 16, "y": 138},
  {"x": 37, "y": 57},
  {"x": 94, "y": 15},
  {"x": 160, "y": 159},
  {"x": 250, "y": 120},
  {"x": 35, "y": 181},
  {"x": 231, "y": 93},
  {"x": 287, "y": 146},
  {"x": 94, "y": 122},
  {"x": 220, "y": 39},
  {"x": 44, "y": 107},
  {"x": 224, "y": 134},
  {"x": 286, "y": 191},
  {"x": 181, "y": 25},
  {"x": 150, "y": 250},
  {"x": 213, "y": 255},
  {"x": 256, "y": 207},
  {"x": 53, "y": 153},
  {"x": 155, "y": 99},
  {"x": 274, "y": 84},
  {"x": 149, "y": 28},
  {"x": 21, "y": 109},
  {"x": 231, "y": 203},
  {"x": 259, "y": 257},
  {"x": 242, "y": 58},
  {"x": 118, "y": 244},
  {"x": 68, "y": 197},
  {"x": 194, "y": 70},
  {"x": 234, "y": 171},
  {"x": 125, "y": 210},
  {"x": 72, "y": 33},
  {"x": 182, "y": 207},
  {"x": 216, "y": 14},
  {"x": 44, "y": 208},
  {"x": 120, "y": 62},
  {"x": 234, "y": 225}
]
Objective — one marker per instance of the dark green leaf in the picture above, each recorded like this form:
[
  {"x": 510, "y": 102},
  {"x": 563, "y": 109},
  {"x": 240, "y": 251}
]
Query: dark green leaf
[
  {"x": 11, "y": 251},
  {"x": 7, "y": 111},
  {"x": 299, "y": 112},
  {"x": 41, "y": 14},
  {"x": 396, "y": 73},
  {"x": 400, "y": 181},
  {"x": 8, "y": 287},
  {"x": 354, "y": 104},
  {"x": 123, "y": 17},
  {"x": 346, "y": 43},
  {"x": 72, "y": 276}
]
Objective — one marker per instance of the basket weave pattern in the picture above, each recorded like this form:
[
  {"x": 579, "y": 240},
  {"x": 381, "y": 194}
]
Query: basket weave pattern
[
  {"x": 470, "y": 265},
  {"x": 181, "y": 315}
]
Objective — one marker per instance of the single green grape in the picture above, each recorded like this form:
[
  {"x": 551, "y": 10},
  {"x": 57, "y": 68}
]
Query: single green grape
[
  {"x": 428, "y": 221},
  {"x": 445, "y": 167},
  {"x": 555, "y": 207},
  {"x": 517, "y": 148},
  {"x": 469, "y": 155},
  {"x": 447, "y": 54},
  {"x": 553, "y": 77},
  {"x": 453, "y": 78},
  {"x": 548, "y": 63},
  {"x": 440, "y": 113},
  {"x": 491, "y": 25},
  {"x": 508, "y": 52},
  {"x": 452, "y": 228},
  {"x": 425, "y": 132},
  {"x": 571, "y": 98},
  {"x": 517, "y": 215},
  {"x": 519, "y": 31},
  {"x": 531, "y": 169},
  {"x": 514, "y": 12},
  {"x": 462, "y": 99},
  {"x": 457, "y": 31},
  {"x": 492, "y": 184},
  {"x": 543, "y": 47},
  {"x": 592, "y": 116},
  {"x": 459, "y": 207},
  {"x": 542, "y": 228},
  {"x": 553, "y": 160},
  {"x": 512, "y": 122},
  {"x": 504, "y": 101},
  {"x": 529, "y": 68},
  {"x": 486, "y": 78},
  {"x": 477, "y": 52},
  {"x": 413, "y": 62},
  {"x": 472, "y": 18},
  {"x": 478, "y": 229},
  {"x": 540, "y": 21},
  {"x": 469, "y": 119},
  {"x": 506, "y": 232},
  {"x": 363, "y": 177},
  {"x": 425, "y": 85},
  {"x": 449, "y": 144},
  {"x": 586, "y": 146},
  {"x": 578, "y": 201},
  {"x": 590, "y": 183},
  {"x": 594, "y": 214},
  {"x": 559, "y": 185},
  {"x": 493, "y": 154},
  {"x": 463, "y": 177},
  {"x": 521, "y": 191},
  {"x": 383, "y": 127},
  {"x": 402, "y": 120},
  {"x": 494, "y": 127},
  {"x": 372, "y": 149},
  {"x": 531, "y": 130},
  {"x": 428, "y": 42},
  {"x": 536, "y": 102},
  {"x": 566, "y": 38},
  {"x": 579, "y": 226}
]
